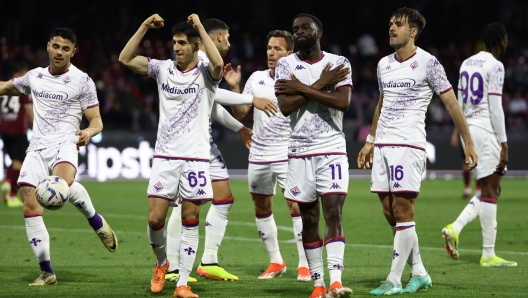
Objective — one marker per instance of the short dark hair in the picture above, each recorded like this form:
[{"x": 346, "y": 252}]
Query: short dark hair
[
  {"x": 414, "y": 18},
  {"x": 284, "y": 34},
  {"x": 65, "y": 33},
  {"x": 186, "y": 29},
  {"x": 20, "y": 65},
  {"x": 493, "y": 34},
  {"x": 317, "y": 22},
  {"x": 211, "y": 25}
]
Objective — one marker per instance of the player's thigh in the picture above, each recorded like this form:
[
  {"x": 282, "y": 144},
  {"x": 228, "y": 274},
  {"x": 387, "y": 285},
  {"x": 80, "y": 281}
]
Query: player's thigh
[
  {"x": 34, "y": 169},
  {"x": 195, "y": 182},
  {"x": 280, "y": 171},
  {"x": 260, "y": 179},
  {"x": 221, "y": 190},
  {"x": 380, "y": 177},
  {"x": 217, "y": 168},
  {"x": 63, "y": 160},
  {"x": 488, "y": 150},
  {"x": 300, "y": 181},
  {"x": 331, "y": 175},
  {"x": 406, "y": 166}
]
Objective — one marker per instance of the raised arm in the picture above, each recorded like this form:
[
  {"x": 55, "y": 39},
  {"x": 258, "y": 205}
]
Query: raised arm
[
  {"x": 216, "y": 64},
  {"x": 128, "y": 56},
  {"x": 7, "y": 88}
]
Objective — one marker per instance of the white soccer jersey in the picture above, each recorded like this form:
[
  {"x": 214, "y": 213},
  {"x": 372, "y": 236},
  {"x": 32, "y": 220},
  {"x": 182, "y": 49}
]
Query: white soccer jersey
[
  {"x": 270, "y": 134},
  {"x": 58, "y": 104},
  {"x": 480, "y": 75},
  {"x": 202, "y": 57},
  {"x": 316, "y": 128},
  {"x": 407, "y": 88},
  {"x": 185, "y": 108}
]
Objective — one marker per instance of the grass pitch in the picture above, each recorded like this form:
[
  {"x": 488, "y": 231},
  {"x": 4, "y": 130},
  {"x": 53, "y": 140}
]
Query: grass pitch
[{"x": 84, "y": 268}]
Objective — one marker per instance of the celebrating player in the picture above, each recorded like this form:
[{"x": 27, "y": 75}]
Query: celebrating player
[
  {"x": 480, "y": 94},
  {"x": 396, "y": 145},
  {"x": 61, "y": 94},
  {"x": 17, "y": 112},
  {"x": 317, "y": 161},
  {"x": 181, "y": 157}
]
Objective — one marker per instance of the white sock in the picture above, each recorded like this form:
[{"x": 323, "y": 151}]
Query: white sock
[
  {"x": 215, "y": 227},
  {"x": 314, "y": 255},
  {"x": 297, "y": 233},
  {"x": 158, "y": 239},
  {"x": 39, "y": 241},
  {"x": 470, "y": 212},
  {"x": 188, "y": 248},
  {"x": 415, "y": 259},
  {"x": 403, "y": 244},
  {"x": 335, "y": 250},
  {"x": 79, "y": 198},
  {"x": 174, "y": 231},
  {"x": 488, "y": 222},
  {"x": 267, "y": 230}
]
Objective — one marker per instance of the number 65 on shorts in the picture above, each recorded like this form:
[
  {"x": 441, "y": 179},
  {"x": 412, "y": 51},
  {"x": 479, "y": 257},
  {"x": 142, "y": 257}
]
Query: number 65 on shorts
[{"x": 397, "y": 169}]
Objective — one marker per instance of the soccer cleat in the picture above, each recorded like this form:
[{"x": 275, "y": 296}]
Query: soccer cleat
[
  {"x": 417, "y": 283},
  {"x": 44, "y": 278},
  {"x": 496, "y": 262},
  {"x": 273, "y": 270},
  {"x": 451, "y": 241},
  {"x": 158, "y": 279},
  {"x": 184, "y": 292},
  {"x": 337, "y": 290},
  {"x": 303, "y": 274},
  {"x": 214, "y": 271},
  {"x": 387, "y": 288},
  {"x": 318, "y": 292},
  {"x": 14, "y": 202},
  {"x": 107, "y": 236},
  {"x": 174, "y": 276}
]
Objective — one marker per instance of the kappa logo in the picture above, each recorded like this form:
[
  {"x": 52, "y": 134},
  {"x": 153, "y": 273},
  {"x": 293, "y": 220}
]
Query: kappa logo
[
  {"x": 335, "y": 186},
  {"x": 261, "y": 82},
  {"x": 396, "y": 185},
  {"x": 388, "y": 67},
  {"x": 200, "y": 192},
  {"x": 295, "y": 191},
  {"x": 39, "y": 76},
  {"x": 299, "y": 67},
  {"x": 414, "y": 65},
  {"x": 66, "y": 80},
  {"x": 395, "y": 254},
  {"x": 158, "y": 187},
  {"x": 170, "y": 71},
  {"x": 253, "y": 184}
]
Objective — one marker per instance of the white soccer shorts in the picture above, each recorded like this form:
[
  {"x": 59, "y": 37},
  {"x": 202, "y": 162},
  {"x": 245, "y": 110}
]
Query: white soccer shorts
[
  {"x": 311, "y": 177},
  {"x": 488, "y": 150},
  {"x": 173, "y": 178},
  {"x": 397, "y": 169},
  {"x": 218, "y": 167},
  {"x": 39, "y": 164},
  {"x": 263, "y": 176}
]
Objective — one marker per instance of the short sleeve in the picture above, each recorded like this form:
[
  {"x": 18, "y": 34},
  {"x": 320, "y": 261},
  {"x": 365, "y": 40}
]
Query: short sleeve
[
  {"x": 87, "y": 94},
  {"x": 348, "y": 80},
  {"x": 204, "y": 68},
  {"x": 248, "y": 89},
  {"x": 436, "y": 76},
  {"x": 496, "y": 79},
  {"x": 378, "y": 74},
  {"x": 282, "y": 70},
  {"x": 154, "y": 67},
  {"x": 22, "y": 83}
]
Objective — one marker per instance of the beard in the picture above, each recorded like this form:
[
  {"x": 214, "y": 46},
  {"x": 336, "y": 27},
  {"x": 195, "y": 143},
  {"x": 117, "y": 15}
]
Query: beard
[{"x": 306, "y": 44}]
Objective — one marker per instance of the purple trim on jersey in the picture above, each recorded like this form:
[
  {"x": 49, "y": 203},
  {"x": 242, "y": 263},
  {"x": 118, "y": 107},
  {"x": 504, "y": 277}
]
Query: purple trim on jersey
[
  {"x": 311, "y": 62},
  {"x": 197, "y": 199},
  {"x": 406, "y": 191},
  {"x": 447, "y": 90},
  {"x": 493, "y": 93},
  {"x": 49, "y": 70},
  {"x": 218, "y": 180},
  {"x": 401, "y": 61},
  {"x": 150, "y": 196},
  {"x": 316, "y": 154},
  {"x": 333, "y": 193},
  {"x": 267, "y": 162},
  {"x": 186, "y": 71},
  {"x": 269, "y": 73},
  {"x": 181, "y": 158},
  {"x": 436, "y": 76},
  {"x": 261, "y": 194},
  {"x": 298, "y": 202},
  {"x": 399, "y": 145},
  {"x": 380, "y": 191},
  {"x": 20, "y": 184},
  {"x": 92, "y": 106}
]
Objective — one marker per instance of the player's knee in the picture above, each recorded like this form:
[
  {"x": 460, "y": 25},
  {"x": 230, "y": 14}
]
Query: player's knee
[
  {"x": 156, "y": 223},
  {"x": 263, "y": 209},
  {"x": 294, "y": 208},
  {"x": 332, "y": 214}
]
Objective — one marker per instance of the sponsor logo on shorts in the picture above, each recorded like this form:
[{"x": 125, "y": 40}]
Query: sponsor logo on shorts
[
  {"x": 23, "y": 174},
  {"x": 295, "y": 191},
  {"x": 335, "y": 186},
  {"x": 396, "y": 185},
  {"x": 200, "y": 192},
  {"x": 158, "y": 187},
  {"x": 254, "y": 184},
  {"x": 66, "y": 80}
]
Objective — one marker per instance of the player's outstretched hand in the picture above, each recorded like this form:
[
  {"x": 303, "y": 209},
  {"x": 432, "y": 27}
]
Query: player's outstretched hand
[
  {"x": 84, "y": 137},
  {"x": 245, "y": 135},
  {"x": 194, "y": 20},
  {"x": 231, "y": 76},
  {"x": 289, "y": 87},
  {"x": 154, "y": 21},
  {"x": 334, "y": 76},
  {"x": 364, "y": 160},
  {"x": 471, "y": 157},
  {"x": 265, "y": 105}
]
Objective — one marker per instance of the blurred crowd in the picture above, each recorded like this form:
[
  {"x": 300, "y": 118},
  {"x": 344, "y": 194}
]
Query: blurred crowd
[{"x": 129, "y": 101}]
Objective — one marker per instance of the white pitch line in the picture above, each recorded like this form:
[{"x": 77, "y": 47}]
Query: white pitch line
[{"x": 381, "y": 246}]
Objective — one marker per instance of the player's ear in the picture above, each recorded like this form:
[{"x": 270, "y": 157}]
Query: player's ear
[
  {"x": 289, "y": 52},
  {"x": 48, "y": 46},
  {"x": 319, "y": 33},
  {"x": 74, "y": 50},
  {"x": 197, "y": 46}
]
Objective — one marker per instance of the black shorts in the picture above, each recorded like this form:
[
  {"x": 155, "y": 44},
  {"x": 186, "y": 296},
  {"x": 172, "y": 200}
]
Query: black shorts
[{"x": 15, "y": 145}]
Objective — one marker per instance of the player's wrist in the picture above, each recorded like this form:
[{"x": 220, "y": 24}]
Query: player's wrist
[{"x": 370, "y": 139}]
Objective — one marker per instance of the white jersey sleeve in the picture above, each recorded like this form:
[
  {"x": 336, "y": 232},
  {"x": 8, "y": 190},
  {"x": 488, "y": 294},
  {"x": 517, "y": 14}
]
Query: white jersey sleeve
[
  {"x": 87, "y": 93},
  {"x": 436, "y": 76},
  {"x": 22, "y": 83},
  {"x": 154, "y": 67}
]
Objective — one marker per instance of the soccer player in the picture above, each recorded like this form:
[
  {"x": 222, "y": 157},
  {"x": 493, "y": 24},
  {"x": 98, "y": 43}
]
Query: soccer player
[
  {"x": 480, "y": 95},
  {"x": 317, "y": 161},
  {"x": 466, "y": 173},
  {"x": 17, "y": 111},
  {"x": 180, "y": 168},
  {"x": 61, "y": 94},
  {"x": 396, "y": 144},
  {"x": 216, "y": 220}
]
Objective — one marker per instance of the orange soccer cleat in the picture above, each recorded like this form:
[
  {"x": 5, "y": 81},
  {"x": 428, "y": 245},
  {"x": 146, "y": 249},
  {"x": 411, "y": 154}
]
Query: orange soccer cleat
[
  {"x": 184, "y": 292},
  {"x": 273, "y": 270},
  {"x": 158, "y": 279},
  {"x": 318, "y": 292}
]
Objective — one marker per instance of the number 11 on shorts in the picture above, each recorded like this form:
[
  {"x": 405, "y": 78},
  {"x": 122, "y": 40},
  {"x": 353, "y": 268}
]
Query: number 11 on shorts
[
  {"x": 335, "y": 167},
  {"x": 396, "y": 173}
]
